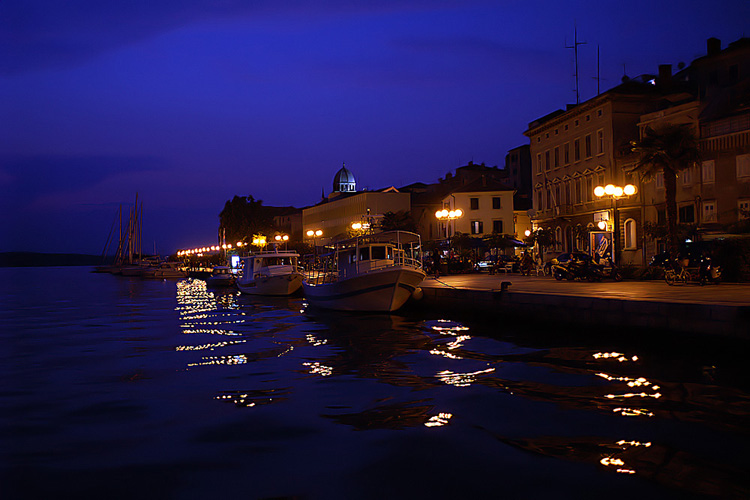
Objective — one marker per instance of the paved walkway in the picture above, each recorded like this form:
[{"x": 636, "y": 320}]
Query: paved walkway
[{"x": 657, "y": 290}]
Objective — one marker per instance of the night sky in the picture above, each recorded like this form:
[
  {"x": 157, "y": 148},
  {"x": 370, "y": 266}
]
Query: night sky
[{"x": 190, "y": 102}]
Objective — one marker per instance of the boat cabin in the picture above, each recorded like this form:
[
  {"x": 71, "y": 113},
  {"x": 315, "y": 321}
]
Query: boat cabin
[
  {"x": 272, "y": 264},
  {"x": 366, "y": 258}
]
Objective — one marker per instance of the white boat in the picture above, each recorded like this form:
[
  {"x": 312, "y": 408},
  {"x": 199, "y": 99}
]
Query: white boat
[
  {"x": 220, "y": 276},
  {"x": 270, "y": 273},
  {"x": 377, "y": 272},
  {"x": 168, "y": 270}
]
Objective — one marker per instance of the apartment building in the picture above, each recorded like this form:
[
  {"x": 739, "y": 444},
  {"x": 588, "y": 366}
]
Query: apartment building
[{"x": 575, "y": 150}]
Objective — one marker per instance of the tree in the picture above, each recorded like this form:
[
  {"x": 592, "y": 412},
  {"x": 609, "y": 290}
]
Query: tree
[
  {"x": 668, "y": 149},
  {"x": 244, "y": 216},
  {"x": 543, "y": 238},
  {"x": 497, "y": 240},
  {"x": 400, "y": 221}
]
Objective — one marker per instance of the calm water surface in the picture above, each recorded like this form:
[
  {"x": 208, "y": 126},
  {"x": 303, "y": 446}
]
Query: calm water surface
[{"x": 118, "y": 387}]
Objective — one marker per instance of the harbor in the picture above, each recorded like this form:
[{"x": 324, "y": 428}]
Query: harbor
[
  {"x": 126, "y": 387},
  {"x": 712, "y": 310}
]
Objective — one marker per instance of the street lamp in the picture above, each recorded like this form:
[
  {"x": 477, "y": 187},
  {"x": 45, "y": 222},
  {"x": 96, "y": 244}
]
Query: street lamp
[
  {"x": 259, "y": 240},
  {"x": 314, "y": 234},
  {"x": 446, "y": 216},
  {"x": 615, "y": 193}
]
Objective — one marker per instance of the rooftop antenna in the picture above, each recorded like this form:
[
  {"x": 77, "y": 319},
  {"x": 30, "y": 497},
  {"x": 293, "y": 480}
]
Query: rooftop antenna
[
  {"x": 575, "y": 45},
  {"x": 598, "y": 76}
]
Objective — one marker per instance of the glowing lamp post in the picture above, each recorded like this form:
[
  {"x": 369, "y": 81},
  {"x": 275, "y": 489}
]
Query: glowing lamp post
[
  {"x": 614, "y": 193},
  {"x": 259, "y": 240},
  {"x": 314, "y": 234},
  {"x": 281, "y": 238},
  {"x": 446, "y": 216}
]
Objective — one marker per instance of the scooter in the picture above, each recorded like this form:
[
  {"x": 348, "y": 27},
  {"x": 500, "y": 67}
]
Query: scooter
[{"x": 708, "y": 272}]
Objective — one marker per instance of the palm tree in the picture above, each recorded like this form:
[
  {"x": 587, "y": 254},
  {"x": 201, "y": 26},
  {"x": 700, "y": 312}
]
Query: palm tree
[
  {"x": 668, "y": 149},
  {"x": 400, "y": 220}
]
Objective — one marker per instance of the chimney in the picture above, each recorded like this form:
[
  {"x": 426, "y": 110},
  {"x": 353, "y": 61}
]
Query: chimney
[
  {"x": 713, "y": 46},
  {"x": 665, "y": 74}
]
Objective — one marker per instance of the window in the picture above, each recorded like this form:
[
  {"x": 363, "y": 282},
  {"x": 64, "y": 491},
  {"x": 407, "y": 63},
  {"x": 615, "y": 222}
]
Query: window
[
  {"x": 709, "y": 211},
  {"x": 598, "y": 112},
  {"x": 474, "y": 203},
  {"x": 743, "y": 166},
  {"x": 549, "y": 199},
  {"x": 630, "y": 235},
  {"x": 588, "y": 118},
  {"x": 539, "y": 163},
  {"x": 558, "y": 239},
  {"x": 557, "y": 157},
  {"x": 476, "y": 227},
  {"x": 539, "y": 200},
  {"x": 743, "y": 209},
  {"x": 377, "y": 252},
  {"x": 578, "y": 191},
  {"x": 707, "y": 171},
  {"x": 567, "y": 192},
  {"x": 589, "y": 189},
  {"x": 497, "y": 226},
  {"x": 599, "y": 180},
  {"x": 364, "y": 253},
  {"x": 686, "y": 176},
  {"x": 576, "y": 150},
  {"x": 557, "y": 195},
  {"x": 599, "y": 142},
  {"x": 660, "y": 180},
  {"x": 587, "y": 145},
  {"x": 496, "y": 203},
  {"x": 546, "y": 160},
  {"x": 566, "y": 153},
  {"x": 686, "y": 214}
]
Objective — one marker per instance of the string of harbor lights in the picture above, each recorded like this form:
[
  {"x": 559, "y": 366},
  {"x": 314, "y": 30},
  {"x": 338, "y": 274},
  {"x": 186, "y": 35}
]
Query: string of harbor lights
[
  {"x": 258, "y": 240},
  {"x": 215, "y": 248}
]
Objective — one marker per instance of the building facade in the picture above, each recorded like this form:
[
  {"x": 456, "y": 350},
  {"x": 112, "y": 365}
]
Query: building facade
[{"x": 487, "y": 207}]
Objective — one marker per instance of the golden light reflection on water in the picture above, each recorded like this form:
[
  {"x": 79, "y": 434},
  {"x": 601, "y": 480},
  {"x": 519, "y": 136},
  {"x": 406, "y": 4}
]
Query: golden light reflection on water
[
  {"x": 316, "y": 368},
  {"x": 448, "y": 327},
  {"x": 252, "y": 398},
  {"x": 314, "y": 340},
  {"x": 211, "y": 347},
  {"x": 461, "y": 379},
  {"x": 237, "y": 359},
  {"x": 439, "y": 420}
]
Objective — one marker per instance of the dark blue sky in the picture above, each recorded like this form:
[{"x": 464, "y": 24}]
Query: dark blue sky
[{"x": 190, "y": 102}]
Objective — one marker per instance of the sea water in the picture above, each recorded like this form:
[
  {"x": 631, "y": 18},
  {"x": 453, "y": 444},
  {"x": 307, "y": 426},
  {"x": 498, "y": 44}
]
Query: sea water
[{"x": 115, "y": 387}]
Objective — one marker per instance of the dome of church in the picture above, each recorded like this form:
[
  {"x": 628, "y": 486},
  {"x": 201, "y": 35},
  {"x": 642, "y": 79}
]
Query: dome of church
[{"x": 344, "y": 182}]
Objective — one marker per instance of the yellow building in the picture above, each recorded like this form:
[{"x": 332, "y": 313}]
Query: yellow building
[
  {"x": 486, "y": 205},
  {"x": 345, "y": 205}
]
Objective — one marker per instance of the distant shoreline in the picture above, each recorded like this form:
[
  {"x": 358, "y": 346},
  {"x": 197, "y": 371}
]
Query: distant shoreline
[{"x": 38, "y": 259}]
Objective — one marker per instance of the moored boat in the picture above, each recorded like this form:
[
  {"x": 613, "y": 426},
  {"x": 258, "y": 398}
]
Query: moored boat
[
  {"x": 168, "y": 270},
  {"x": 377, "y": 272},
  {"x": 270, "y": 273},
  {"x": 220, "y": 276}
]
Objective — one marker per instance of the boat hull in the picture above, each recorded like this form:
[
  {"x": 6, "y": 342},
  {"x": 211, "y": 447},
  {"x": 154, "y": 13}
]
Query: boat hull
[
  {"x": 379, "y": 291},
  {"x": 285, "y": 284}
]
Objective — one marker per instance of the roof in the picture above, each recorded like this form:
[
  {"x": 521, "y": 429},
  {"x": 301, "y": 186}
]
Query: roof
[{"x": 483, "y": 184}]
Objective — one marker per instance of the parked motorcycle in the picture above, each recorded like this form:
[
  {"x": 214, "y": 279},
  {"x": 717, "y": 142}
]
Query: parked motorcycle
[
  {"x": 606, "y": 270},
  {"x": 573, "y": 269}
]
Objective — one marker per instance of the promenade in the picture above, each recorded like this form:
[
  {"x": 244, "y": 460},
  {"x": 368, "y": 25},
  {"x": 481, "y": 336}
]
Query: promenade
[{"x": 722, "y": 310}]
